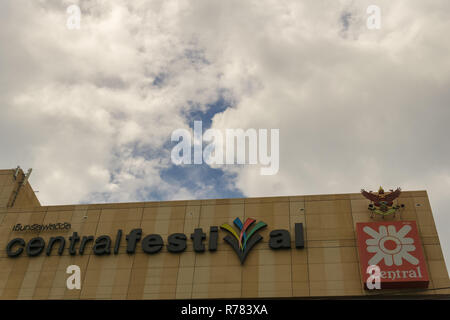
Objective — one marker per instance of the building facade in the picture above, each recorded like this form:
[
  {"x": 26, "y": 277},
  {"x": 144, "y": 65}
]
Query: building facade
[{"x": 291, "y": 247}]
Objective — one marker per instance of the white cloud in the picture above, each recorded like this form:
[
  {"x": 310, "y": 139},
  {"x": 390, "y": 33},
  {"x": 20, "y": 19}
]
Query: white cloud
[{"x": 81, "y": 106}]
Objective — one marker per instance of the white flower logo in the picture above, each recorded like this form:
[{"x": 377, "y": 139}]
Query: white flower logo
[{"x": 390, "y": 245}]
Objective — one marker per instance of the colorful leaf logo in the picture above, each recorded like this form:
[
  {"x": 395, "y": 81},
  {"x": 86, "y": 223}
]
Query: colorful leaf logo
[{"x": 243, "y": 242}]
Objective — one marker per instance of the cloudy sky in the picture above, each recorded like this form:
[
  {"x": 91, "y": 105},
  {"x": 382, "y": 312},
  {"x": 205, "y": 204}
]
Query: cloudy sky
[{"x": 92, "y": 110}]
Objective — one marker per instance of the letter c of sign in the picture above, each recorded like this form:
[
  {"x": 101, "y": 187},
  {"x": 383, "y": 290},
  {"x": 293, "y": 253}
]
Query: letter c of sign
[{"x": 16, "y": 253}]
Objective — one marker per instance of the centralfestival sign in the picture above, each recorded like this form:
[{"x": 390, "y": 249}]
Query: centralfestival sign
[
  {"x": 396, "y": 249},
  {"x": 242, "y": 241}
]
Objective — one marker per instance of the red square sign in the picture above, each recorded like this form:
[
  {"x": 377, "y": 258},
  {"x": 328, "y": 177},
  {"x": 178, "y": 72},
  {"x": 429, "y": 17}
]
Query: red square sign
[{"x": 396, "y": 249}]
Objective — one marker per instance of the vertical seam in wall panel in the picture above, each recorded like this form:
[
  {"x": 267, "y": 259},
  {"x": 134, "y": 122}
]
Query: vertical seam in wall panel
[
  {"x": 27, "y": 270},
  {"x": 292, "y": 266},
  {"x": 90, "y": 254},
  {"x": 307, "y": 249},
  {"x": 197, "y": 225},
  {"x": 195, "y": 255},
  {"x": 134, "y": 255},
  {"x": 179, "y": 258},
  {"x": 419, "y": 230},
  {"x": 356, "y": 247},
  {"x": 83, "y": 276},
  {"x": 39, "y": 235}
]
